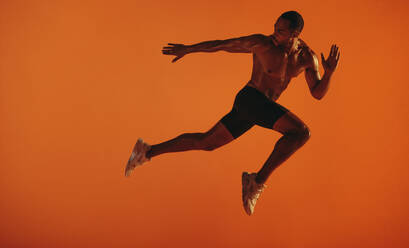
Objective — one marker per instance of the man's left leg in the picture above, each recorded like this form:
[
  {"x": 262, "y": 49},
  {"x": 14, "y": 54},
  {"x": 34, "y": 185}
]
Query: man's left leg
[{"x": 295, "y": 134}]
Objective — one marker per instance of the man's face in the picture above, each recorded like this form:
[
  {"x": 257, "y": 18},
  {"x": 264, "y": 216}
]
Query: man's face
[{"x": 282, "y": 33}]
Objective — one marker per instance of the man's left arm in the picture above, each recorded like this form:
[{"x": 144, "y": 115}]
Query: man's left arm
[{"x": 319, "y": 86}]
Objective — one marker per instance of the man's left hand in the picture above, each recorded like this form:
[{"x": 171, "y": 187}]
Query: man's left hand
[{"x": 330, "y": 64}]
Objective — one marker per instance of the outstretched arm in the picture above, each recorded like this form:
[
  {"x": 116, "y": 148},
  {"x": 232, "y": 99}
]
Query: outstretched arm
[
  {"x": 245, "y": 44},
  {"x": 319, "y": 86}
]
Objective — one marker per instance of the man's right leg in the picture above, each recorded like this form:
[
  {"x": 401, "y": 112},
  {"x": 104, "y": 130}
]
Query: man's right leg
[
  {"x": 220, "y": 134},
  {"x": 216, "y": 137},
  {"x": 230, "y": 127}
]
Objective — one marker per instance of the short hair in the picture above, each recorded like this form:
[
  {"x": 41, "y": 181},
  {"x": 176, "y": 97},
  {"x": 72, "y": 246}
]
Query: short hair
[{"x": 296, "y": 20}]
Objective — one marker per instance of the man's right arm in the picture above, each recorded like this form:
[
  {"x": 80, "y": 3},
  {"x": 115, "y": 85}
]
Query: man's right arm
[{"x": 245, "y": 44}]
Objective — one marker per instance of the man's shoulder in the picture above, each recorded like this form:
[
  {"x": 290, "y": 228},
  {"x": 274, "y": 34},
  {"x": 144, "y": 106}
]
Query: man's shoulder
[
  {"x": 305, "y": 49},
  {"x": 308, "y": 55},
  {"x": 262, "y": 42},
  {"x": 259, "y": 38},
  {"x": 259, "y": 42}
]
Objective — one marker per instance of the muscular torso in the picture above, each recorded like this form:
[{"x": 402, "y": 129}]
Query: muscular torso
[{"x": 273, "y": 68}]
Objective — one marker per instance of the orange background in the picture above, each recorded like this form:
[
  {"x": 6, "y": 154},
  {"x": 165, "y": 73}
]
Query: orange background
[{"x": 82, "y": 80}]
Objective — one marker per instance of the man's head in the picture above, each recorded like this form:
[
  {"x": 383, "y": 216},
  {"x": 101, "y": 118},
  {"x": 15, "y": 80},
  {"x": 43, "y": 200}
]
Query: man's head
[{"x": 287, "y": 27}]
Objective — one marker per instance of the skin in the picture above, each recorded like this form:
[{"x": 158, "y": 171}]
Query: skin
[{"x": 277, "y": 58}]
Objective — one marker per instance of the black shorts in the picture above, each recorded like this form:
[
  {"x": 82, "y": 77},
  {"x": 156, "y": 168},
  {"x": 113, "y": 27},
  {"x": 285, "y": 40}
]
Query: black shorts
[{"x": 251, "y": 107}]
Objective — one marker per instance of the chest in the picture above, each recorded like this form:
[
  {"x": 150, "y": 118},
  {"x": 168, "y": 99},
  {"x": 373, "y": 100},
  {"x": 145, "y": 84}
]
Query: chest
[{"x": 288, "y": 66}]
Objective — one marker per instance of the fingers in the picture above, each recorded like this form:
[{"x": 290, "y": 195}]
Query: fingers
[
  {"x": 173, "y": 45},
  {"x": 334, "y": 51},
  {"x": 168, "y": 53},
  {"x": 331, "y": 52},
  {"x": 173, "y": 49},
  {"x": 322, "y": 57}
]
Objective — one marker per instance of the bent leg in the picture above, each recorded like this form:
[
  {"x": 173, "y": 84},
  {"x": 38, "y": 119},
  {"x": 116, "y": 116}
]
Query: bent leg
[
  {"x": 217, "y": 136},
  {"x": 183, "y": 142},
  {"x": 230, "y": 127},
  {"x": 295, "y": 134}
]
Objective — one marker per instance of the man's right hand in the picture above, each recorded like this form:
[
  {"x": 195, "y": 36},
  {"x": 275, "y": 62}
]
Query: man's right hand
[{"x": 179, "y": 50}]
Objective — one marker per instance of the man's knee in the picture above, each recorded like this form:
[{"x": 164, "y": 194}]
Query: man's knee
[
  {"x": 302, "y": 134},
  {"x": 201, "y": 141},
  {"x": 210, "y": 143},
  {"x": 216, "y": 137},
  {"x": 305, "y": 134},
  {"x": 195, "y": 140},
  {"x": 210, "y": 148}
]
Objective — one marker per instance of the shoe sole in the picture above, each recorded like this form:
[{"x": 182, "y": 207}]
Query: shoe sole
[
  {"x": 245, "y": 182},
  {"x": 134, "y": 158}
]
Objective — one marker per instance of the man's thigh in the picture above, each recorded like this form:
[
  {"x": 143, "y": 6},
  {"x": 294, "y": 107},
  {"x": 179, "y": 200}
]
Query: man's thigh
[
  {"x": 290, "y": 123},
  {"x": 235, "y": 124},
  {"x": 266, "y": 113},
  {"x": 216, "y": 136},
  {"x": 274, "y": 116}
]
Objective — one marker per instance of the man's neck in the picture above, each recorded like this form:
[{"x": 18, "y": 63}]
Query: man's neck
[
  {"x": 289, "y": 48},
  {"x": 293, "y": 47}
]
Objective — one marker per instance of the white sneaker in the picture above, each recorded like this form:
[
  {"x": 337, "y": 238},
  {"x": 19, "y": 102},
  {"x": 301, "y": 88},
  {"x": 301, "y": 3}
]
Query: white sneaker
[
  {"x": 138, "y": 156},
  {"x": 251, "y": 191}
]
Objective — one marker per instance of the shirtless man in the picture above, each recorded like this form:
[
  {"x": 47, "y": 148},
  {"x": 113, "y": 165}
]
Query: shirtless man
[{"x": 277, "y": 58}]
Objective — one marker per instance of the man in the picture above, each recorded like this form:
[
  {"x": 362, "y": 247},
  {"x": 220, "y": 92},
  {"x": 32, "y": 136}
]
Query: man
[{"x": 277, "y": 59}]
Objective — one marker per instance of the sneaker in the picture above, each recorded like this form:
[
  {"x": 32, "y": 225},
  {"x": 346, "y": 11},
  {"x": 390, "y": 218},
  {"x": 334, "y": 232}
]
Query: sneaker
[
  {"x": 251, "y": 191},
  {"x": 138, "y": 156}
]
